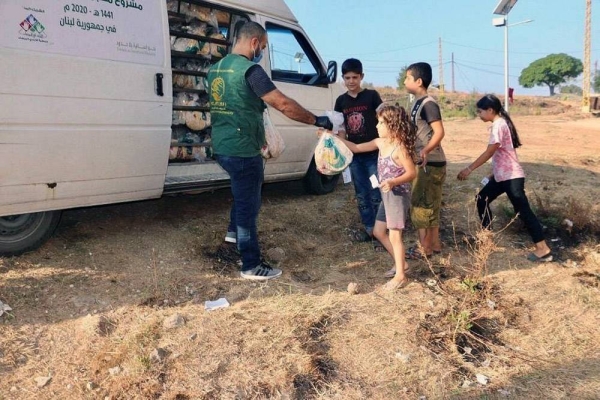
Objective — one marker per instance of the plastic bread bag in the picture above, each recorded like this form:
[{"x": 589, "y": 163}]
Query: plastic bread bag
[
  {"x": 186, "y": 45},
  {"x": 197, "y": 120},
  {"x": 183, "y": 81},
  {"x": 178, "y": 118},
  {"x": 337, "y": 119},
  {"x": 189, "y": 82},
  {"x": 186, "y": 99},
  {"x": 173, "y": 5},
  {"x": 274, "y": 145},
  {"x": 202, "y": 13},
  {"x": 332, "y": 156},
  {"x": 214, "y": 49}
]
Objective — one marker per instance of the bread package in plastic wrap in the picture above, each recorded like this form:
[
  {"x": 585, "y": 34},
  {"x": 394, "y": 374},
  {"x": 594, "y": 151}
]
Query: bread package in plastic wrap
[
  {"x": 178, "y": 118},
  {"x": 181, "y": 134},
  {"x": 222, "y": 17},
  {"x": 202, "y": 13},
  {"x": 332, "y": 156},
  {"x": 196, "y": 28},
  {"x": 186, "y": 99},
  {"x": 197, "y": 120},
  {"x": 186, "y": 45},
  {"x": 172, "y": 5},
  {"x": 180, "y": 152},
  {"x": 188, "y": 153},
  {"x": 189, "y": 82},
  {"x": 274, "y": 145},
  {"x": 203, "y": 49},
  {"x": 214, "y": 49},
  {"x": 191, "y": 64}
]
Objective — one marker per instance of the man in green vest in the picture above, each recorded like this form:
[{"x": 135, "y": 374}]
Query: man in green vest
[{"x": 239, "y": 89}]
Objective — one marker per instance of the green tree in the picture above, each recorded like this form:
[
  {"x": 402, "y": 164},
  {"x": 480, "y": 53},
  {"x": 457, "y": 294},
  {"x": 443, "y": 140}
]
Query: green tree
[
  {"x": 401, "y": 77},
  {"x": 596, "y": 82},
  {"x": 573, "y": 89},
  {"x": 551, "y": 70}
]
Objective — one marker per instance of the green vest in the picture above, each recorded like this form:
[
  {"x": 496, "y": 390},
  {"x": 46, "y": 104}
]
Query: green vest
[{"x": 236, "y": 112}]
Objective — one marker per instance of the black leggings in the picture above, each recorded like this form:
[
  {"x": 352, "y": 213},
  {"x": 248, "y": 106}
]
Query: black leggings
[{"x": 515, "y": 190}]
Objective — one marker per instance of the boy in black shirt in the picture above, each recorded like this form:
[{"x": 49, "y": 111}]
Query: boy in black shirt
[{"x": 360, "y": 120}]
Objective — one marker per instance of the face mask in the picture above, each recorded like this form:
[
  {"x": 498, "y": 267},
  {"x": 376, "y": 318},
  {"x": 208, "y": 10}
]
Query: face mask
[{"x": 258, "y": 57}]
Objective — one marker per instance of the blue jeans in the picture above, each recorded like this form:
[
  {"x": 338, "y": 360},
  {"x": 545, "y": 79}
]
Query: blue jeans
[
  {"x": 362, "y": 167},
  {"x": 247, "y": 176}
]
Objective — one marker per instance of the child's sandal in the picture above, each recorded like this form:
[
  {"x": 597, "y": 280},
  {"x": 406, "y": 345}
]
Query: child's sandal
[{"x": 414, "y": 253}]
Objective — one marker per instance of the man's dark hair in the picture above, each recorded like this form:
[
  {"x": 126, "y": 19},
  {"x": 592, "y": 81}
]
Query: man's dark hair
[
  {"x": 422, "y": 71},
  {"x": 352, "y": 65},
  {"x": 249, "y": 30}
]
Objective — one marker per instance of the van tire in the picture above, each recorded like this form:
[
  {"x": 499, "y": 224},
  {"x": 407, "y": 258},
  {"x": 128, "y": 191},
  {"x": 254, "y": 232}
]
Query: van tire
[
  {"x": 25, "y": 232},
  {"x": 317, "y": 183}
]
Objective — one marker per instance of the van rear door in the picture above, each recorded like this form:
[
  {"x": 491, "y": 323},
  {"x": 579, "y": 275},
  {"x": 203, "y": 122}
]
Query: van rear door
[{"x": 85, "y": 103}]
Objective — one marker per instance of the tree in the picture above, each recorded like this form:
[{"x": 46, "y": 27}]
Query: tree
[
  {"x": 551, "y": 70},
  {"x": 573, "y": 89},
  {"x": 401, "y": 77},
  {"x": 596, "y": 82}
]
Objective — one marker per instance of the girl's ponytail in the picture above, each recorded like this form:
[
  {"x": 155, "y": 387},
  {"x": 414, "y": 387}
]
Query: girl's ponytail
[
  {"x": 513, "y": 130},
  {"x": 493, "y": 102}
]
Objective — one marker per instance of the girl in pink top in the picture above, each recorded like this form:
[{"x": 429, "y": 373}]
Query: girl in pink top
[
  {"x": 396, "y": 166},
  {"x": 507, "y": 174}
]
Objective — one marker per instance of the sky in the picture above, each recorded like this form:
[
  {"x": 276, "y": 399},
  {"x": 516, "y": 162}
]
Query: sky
[{"x": 389, "y": 34}]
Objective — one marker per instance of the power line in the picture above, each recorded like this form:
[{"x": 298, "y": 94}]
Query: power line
[
  {"x": 484, "y": 70},
  {"x": 387, "y": 51},
  {"x": 464, "y": 77},
  {"x": 514, "y": 52}
]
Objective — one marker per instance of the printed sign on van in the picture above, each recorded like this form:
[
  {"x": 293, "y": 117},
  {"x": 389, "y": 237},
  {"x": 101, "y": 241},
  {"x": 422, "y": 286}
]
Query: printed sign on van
[{"x": 121, "y": 30}]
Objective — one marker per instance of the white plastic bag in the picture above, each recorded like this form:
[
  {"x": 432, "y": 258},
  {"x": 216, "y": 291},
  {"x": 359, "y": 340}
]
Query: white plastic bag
[
  {"x": 332, "y": 156},
  {"x": 274, "y": 145},
  {"x": 337, "y": 119}
]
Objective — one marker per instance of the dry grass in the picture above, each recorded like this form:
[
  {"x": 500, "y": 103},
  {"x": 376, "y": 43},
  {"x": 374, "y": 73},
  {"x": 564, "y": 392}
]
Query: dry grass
[{"x": 96, "y": 296}]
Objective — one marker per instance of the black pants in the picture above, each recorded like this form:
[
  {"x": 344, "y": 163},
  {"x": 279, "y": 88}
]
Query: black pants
[{"x": 515, "y": 190}]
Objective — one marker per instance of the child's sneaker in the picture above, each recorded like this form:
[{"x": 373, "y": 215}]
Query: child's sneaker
[
  {"x": 231, "y": 237},
  {"x": 262, "y": 272}
]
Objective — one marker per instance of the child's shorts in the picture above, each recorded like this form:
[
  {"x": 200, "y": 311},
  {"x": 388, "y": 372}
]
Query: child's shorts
[
  {"x": 393, "y": 209},
  {"x": 426, "y": 200}
]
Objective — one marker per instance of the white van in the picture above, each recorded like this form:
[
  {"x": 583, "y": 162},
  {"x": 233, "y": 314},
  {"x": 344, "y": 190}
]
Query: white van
[{"x": 104, "y": 101}]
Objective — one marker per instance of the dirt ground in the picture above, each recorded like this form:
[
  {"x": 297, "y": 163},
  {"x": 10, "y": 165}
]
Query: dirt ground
[{"x": 112, "y": 307}]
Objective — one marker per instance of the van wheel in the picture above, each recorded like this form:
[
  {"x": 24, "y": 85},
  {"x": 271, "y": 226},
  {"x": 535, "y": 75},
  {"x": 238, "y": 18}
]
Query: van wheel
[
  {"x": 317, "y": 183},
  {"x": 26, "y": 232}
]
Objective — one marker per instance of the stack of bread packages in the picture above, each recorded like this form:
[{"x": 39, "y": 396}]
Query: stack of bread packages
[{"x": 197, "y": 42}]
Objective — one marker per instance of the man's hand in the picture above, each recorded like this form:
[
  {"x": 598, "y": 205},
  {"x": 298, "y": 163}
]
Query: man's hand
[{"x": 323, "y": 122}]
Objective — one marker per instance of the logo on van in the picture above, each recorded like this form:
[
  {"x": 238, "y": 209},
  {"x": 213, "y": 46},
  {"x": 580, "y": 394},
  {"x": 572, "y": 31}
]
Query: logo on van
[
  {"x": 217, "y": 89},
  {"x": 31, "y": 25}
]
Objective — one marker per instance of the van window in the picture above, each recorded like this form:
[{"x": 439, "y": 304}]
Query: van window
[{"x": 291, "y": 57}]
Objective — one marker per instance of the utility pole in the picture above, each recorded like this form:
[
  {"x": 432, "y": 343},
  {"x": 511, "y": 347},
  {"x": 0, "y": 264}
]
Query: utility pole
[
  {"x": 453, "y": 88},
  {"x": 441, "y": 67},
  {"x": 585, "y": 105}
]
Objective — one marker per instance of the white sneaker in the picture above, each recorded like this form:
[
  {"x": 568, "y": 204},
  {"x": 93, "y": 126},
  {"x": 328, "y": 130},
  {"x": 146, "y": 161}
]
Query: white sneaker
[{"x": 262, "y": 272}]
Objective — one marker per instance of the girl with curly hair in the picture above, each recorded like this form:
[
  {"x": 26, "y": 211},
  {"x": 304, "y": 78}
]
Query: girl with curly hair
[{"x": 396, "y": 169}]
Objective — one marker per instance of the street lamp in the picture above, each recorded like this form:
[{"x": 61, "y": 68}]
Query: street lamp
[
  {"x": 503, "y": 8},
  {"x": 298, "y": 58}
]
